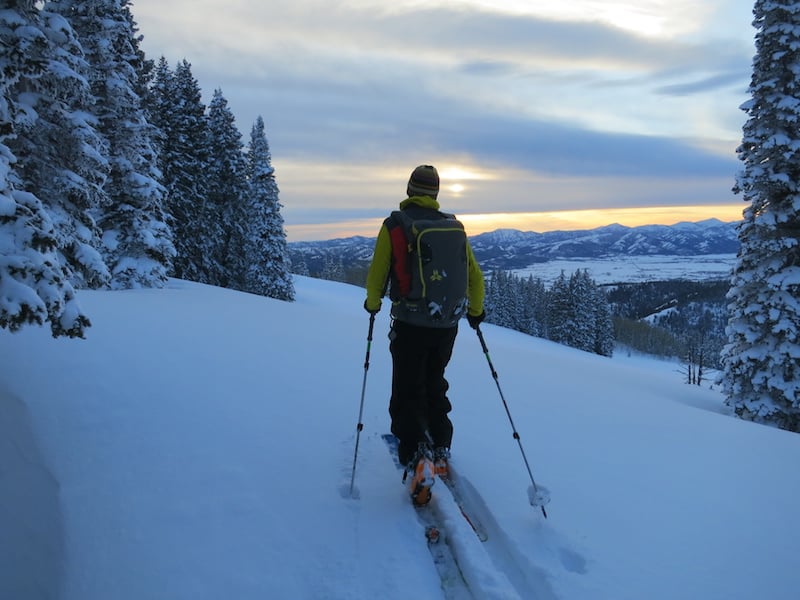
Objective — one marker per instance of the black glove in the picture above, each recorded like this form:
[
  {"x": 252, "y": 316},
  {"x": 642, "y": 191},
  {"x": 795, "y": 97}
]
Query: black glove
[
  {"x": 373, "y": 311},
  {"x": 476, "y": 320}
]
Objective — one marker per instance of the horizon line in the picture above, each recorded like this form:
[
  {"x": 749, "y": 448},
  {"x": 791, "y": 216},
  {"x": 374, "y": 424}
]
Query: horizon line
[{"x": 534, "y": 222}]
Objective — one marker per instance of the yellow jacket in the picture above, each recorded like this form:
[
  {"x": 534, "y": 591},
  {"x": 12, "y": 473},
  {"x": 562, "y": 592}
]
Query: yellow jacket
[{"x": 378, "y": 274}]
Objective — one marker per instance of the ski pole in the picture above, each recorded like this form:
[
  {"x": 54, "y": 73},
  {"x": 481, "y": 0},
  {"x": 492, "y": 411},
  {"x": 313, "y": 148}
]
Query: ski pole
[
  {"x": 360, "y": 425},
  {"x": 536, "y": 498}
]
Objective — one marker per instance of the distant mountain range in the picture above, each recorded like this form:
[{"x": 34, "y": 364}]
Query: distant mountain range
[{"x": 512, "y": 249}]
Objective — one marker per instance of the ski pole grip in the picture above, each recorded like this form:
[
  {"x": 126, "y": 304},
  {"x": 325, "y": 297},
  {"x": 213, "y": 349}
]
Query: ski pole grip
[{"x": 369, "y": 340}]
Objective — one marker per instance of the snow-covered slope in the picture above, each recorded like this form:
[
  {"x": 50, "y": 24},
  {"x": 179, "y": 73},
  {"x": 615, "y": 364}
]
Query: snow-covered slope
[{"x": 196, "y": 444}]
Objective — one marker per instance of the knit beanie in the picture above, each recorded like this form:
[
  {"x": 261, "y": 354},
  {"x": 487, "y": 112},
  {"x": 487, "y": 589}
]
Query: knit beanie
[{"x": 424, "y": 181}]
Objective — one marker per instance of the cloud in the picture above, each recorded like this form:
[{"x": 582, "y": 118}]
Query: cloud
[
  {"x": 706, "y": 84},
  {"x": 354, "y": 94},
  {"x": 561, "y": 149}
]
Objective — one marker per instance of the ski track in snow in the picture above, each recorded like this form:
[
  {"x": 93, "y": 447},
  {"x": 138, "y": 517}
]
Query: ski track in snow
[
  {"x": 454, "y": 581},
  {"x": 528, "y": 579},
  {"x": 492, "y": 569},
  {"x": 495, "y": 568}
]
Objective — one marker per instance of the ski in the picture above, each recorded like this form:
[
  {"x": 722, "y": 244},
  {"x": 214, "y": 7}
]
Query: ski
[
  {"x": 455, "y": 486},
  {"x": 453, "y": 483},
  {"x": 452, "y": 579}
]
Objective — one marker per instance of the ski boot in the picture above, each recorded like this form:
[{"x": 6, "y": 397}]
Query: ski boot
[
  {"x": 441, "y": 455},
  {"x": 422, "y": 476}
]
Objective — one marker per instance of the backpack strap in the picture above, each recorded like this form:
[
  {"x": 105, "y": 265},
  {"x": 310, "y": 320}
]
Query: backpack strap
[{"x": 398, "y": 224}]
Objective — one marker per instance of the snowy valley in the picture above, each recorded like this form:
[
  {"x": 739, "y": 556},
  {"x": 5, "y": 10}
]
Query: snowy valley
[{"x": 622, "y": 251}]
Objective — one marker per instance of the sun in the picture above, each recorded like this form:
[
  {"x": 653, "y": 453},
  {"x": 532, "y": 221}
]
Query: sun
[
  {"x": 454, "y": 178},
  {"x": 459, "y": 173}
]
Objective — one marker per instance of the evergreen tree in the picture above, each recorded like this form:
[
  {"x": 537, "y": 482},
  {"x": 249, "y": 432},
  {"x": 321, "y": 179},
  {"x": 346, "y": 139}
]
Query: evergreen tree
[
  {"x": 137, "y": 241},
  {"x": 159, "y": 103},
  {"x": 515, "y": 303},
  {"x": 535, "y": 295},
  {"x": 491, "y": 298},
  {"x": 583, "y": 309},
  {"x": 500, "y": 302},
  {"x": 590, "y": 321},
  {"x": 559, "y": 311},
  {"x": 573, "y": 312},
  {"x": 762, "y": 358},
  {"x": 34, "y": 286},
  {"x": 604, "y": 324},
  {"x": 269, "y": 267},
  {"x": 301, "y": 268},
  {"x": 226, "y": 218},
  {"x": 184, "y": 160},
  {"x": 333, "y": 269},
  {"x": 60, "y": 154}
]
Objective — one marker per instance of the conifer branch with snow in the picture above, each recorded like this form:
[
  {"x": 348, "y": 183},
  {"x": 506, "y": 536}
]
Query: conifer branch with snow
[{"x": 762, "y": 358}]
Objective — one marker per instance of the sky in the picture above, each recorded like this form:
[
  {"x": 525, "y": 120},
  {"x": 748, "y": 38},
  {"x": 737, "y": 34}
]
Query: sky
[
  {"x": 539, "y": 115},
  {"x": 161, "y": 460}
]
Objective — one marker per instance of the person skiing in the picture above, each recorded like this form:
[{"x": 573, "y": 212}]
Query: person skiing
[{"x": 424, "y": 326}]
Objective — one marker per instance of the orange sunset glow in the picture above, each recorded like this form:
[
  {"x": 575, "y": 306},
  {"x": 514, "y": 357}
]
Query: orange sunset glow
[
  {"x": 535, "y": 221},
  {"x": 592, "y": 218}
]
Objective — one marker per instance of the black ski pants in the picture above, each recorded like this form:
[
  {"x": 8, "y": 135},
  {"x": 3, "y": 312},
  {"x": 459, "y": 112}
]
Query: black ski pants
[{"x": 419, "y": 390}]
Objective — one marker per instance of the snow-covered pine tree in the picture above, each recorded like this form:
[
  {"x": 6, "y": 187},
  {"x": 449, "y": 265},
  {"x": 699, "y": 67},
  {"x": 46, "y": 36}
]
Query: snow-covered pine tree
[
  {"x": 535, "y": 295},
  {"x": 574, "y": 311},
  {"x": 269, "y": 266},
  {"x": 604, "y": 324},
  {"x": 159, "y": 103},
  {"x": 179, "y": 113},
  {"x": 492, "y": 299},
  {"x": 137, "y": 242},
  {"x": 761, "y": 361},
  {"x": 333, "y": 268},
  {"x": 34, "y": 288},
  {"x": 500, "y": 299},
  {"x": 560, "y": 312},
  {"x": 515, "y": 302},
  {"x": 592, "y": 314},
  {"x": 492, "y": 302},
  {"x": 584, "y": 318},
  {"x": 60, "y": 153},
  {"x": 226, "y": 219},
  {"x": 301, "y": 268}
]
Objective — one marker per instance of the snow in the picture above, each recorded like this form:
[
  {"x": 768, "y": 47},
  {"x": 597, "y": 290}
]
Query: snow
[
  {"x": 617, "y": 269},
  {"x": 7, "y": 205},
  {"x": 195, "y": 445}
]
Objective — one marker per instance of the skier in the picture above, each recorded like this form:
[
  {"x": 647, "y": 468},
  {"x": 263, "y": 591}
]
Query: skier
[{"x": 420, "y": 345}]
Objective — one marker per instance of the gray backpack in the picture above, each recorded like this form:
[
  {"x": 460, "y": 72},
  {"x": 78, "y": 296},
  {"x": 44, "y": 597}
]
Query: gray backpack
[{"x": 430, "y": 289}]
